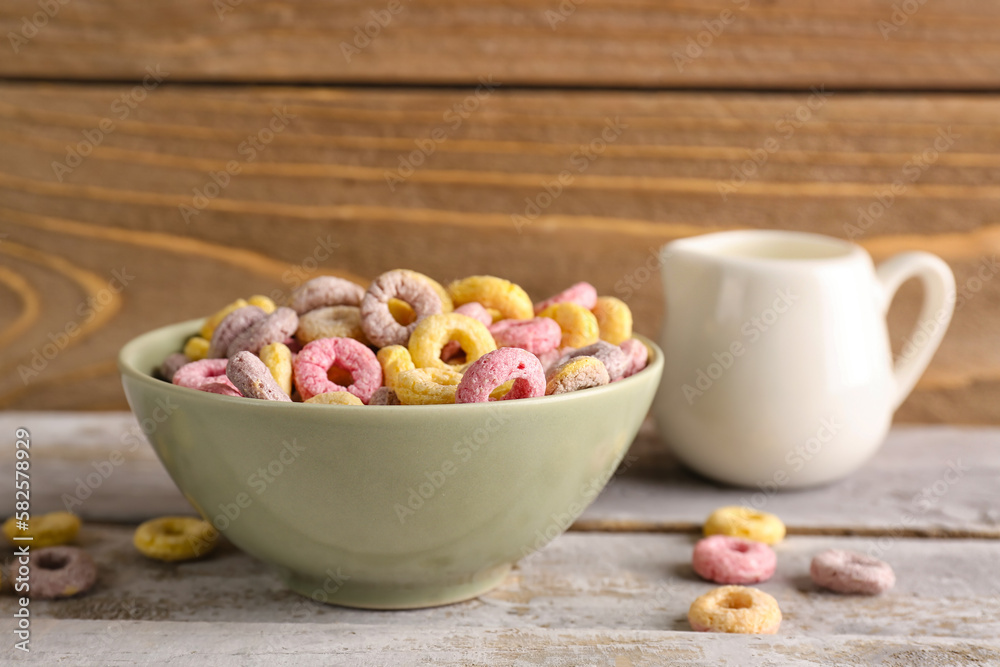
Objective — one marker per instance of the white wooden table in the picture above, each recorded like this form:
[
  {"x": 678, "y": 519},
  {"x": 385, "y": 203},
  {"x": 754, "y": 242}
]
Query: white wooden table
[{"x": 613, "y": 591}]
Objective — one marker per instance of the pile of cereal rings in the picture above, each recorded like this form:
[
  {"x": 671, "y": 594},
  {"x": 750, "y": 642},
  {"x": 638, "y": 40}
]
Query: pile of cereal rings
[{"x": 408, "y": 340}]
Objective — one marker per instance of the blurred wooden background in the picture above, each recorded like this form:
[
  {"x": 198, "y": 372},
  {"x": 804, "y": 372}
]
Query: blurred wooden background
[{"x": 665, "y": 118}]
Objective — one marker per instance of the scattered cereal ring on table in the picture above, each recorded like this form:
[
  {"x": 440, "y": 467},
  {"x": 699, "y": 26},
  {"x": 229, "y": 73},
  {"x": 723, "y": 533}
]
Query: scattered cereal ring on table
[
  {"x": 537, "y": 335},
  {"x": 376, "y": 320},
  {"x": 212, "y": 321},
  {"x": 384, "y": 396},
  {"x": 204, "y": 375},
  {"x": 46, "y": 530},
  {"x": 331, "y": 322},
  {"x": 492, "y": 292},
  {"x": 273, "y": 328},
  {"x": 493, "y": 369},
  {"x": 851, "y": 572},
  {"x": 253, "y": 379},
  {"x": 432, "y": 333},
  {"x": 325, "y": 291},
  {"x": 579, "y": 325},
  {"x": 732, "y": 560},
  {"x": 312, "y": 366},
  {"x": 747, "y": 523},
  {"x": 427, "y": 386},
  {"x": 231, "y": 326},
  {"x": 394, "y": 359},
  {"x": 171, "y": 364},
  {"x": 576, "y": 374},
  {"x": 582, "y": 293},
  {"x": 335, "y": 398},
  {"x": 614, "y": 319},
  {"x": 173, "y": 538},
  {"x": 60, "y": 572},
  {"x": 637, "y": 353},
  {"x": 612, "y": 356},
  {"x": 196, "y": 348},
  {"x": 278, "y": 359},
  {"x": 263, "y": 302},
  {"x": 735, "y": 609}
]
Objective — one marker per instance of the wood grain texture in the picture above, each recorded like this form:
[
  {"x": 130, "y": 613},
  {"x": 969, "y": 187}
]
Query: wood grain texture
[
  {"x": 319, "y": 190},
  {"x": 722, "y": 43}
]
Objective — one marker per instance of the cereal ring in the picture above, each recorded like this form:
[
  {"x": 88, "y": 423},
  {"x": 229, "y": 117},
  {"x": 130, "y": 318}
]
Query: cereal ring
[
  {"x": 404, "y": 314},
  {"x": 384, "y": 396},
  {"x": 495, "y": 368},
  {"x": 637, "y": 353},
  {"x": 172, "y": 538},
  {"x": 376, "y": 320},
  {"x": 263, "y": 302},
  {"x": 278, "y": 359},
  {"x": 735, "y": 609},
  {"x": 274, "y": 328},
  {"x": 492, "y": 292},
  {"x": 614, "y": 319},
  {"x": 427, "y": 386},
  {"x": 335, "y": 398},
  {"x": 171, "y": 364},
  {"x": 331, "y": 322},
  {"x": 732, "y": 560},
  {"x": 577, "y": 373},
  {"x": 253, "y": 379},
  {"x": 205, "y": 375},
  {"x": 196, "y": 348},
  {"x": 432, "y": 333},
  {"x": 536, "y": 335},
  {"x": 579, "y": 325},
  {"x": 61, "y": 572},
  {"x": 583, "y": 294},
  {"x": 313, "y": 363},
  {"x": 744, "y": 522},
  {"x": 474, "y": 310},
  {"x": 612, "y": 356},
  {"x": 231, "y": 326},
  {"x": 46, "y": 530},
  {"x": 212, "y": 321},
  {"x": 325, "y": 291},
  {"x": 394, "y": 359},
  {"x": 851, "y": 572},
  {"x": 221, "y": 386}
]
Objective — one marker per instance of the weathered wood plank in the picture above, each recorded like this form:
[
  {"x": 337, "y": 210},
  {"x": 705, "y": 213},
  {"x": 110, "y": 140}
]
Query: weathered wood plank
[
  {"x": 315, "y": 199},
  {"x": 724, "y": 43}
]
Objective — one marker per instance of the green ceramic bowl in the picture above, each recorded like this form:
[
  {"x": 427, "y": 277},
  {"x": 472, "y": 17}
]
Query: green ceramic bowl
[{"x": 385, "y": 507}]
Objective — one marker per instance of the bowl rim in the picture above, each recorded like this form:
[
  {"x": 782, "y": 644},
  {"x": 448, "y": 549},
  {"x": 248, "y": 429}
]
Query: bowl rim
[{"x": 129, "y": 349}]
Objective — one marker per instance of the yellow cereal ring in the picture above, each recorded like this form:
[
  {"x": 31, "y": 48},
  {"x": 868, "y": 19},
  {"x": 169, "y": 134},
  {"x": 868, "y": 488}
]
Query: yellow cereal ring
[
  {"x": 433, "y": 333},
  {"x": 173, "y": 538},
  {"x": 263, "y": 302},
  {"x": 208, "y": 328},
  {"x": 335, "y": 398},
  {"x": 278, "y": 359},
  {"x": 401, "y": 311},
  {"x": 427, "y": 386},
  {"x": 47, "y": 530},
  {"x": 579, "y": 325},
  {"x": 196, "y": 348},
  {"x": 736, "y": 609},
  {"x": 492, "y": 292},
  {"x": 495, "y": 314},
  {"x": 614, "y": 319},
  {"x": 747, "y": 523},
  {"x": 395, "y": 359}
]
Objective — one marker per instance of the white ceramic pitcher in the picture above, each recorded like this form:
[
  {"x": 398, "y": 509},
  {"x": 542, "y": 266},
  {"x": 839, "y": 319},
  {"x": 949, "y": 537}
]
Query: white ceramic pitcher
[{"x": 778, "y": 371}]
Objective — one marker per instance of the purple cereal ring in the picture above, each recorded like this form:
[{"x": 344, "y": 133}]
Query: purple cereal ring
[
  {"x": 733, "y": 560},
  {"x": 61, "y": 572},
  {"x": 583, "y": 294},
  {"x": 498, "y": 367},
  {"x": 273, "y": 328},
  {"x": 171, "y": 364},
  {"x": 637, "y": 353},
  {"x": 313, "y": 363},
  {"x": 253, "y": 379},
  {"x": 325, "y": 291},
  {"x": 576, "y": 374},
  {"x": 475, "y": 310},
  {"x": 231, "y": 326},
  {"x": 613, "y": 357},
  {"x": 851, "y": 572},
  {"x": 205, "y": 375},
  {"x": 378, "y": 323},
  {"x": 384, "y": 396},
  {"x": 537, "y": 335}
]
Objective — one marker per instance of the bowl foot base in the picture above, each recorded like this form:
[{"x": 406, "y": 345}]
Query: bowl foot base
[{"x": 362, "y": 595}]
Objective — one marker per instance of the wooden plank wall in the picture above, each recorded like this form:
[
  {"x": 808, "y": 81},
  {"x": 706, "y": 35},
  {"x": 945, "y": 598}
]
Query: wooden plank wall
[{"x": 115, "y": 116}]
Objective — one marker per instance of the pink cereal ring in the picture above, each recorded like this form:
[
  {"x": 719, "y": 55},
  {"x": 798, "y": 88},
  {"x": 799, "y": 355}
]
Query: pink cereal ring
[
  {"x": 206, "y": 375},
  {"x": 583, "y": 293},
  {"x": 537, "y": 335},
  {"x": 498, "y": 367},
  {"x": 272, "y": 328},
  {"x": 313, "y": 363},
  {"x": 637, "y": 353},
  {"x": 733, "y": 560}
]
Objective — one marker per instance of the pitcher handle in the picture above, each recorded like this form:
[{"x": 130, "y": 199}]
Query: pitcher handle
[{"x": 935, "y": 315}]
